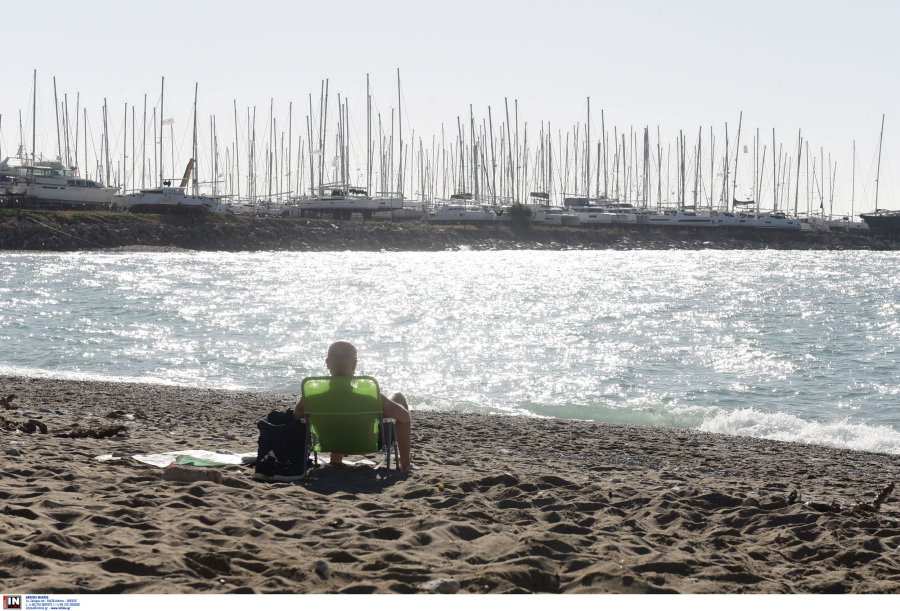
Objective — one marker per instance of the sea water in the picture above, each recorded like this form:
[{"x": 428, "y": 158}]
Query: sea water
[{"x": 796, "y": 346}]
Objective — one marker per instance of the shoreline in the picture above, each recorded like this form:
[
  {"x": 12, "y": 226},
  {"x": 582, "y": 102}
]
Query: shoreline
[
  {"x": 507, "y": 504},
  {"x": 31, "y": 230}
]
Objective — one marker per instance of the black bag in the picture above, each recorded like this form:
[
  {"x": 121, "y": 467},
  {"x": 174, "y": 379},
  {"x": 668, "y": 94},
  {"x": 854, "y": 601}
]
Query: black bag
[{"x": 283, "y": 440}]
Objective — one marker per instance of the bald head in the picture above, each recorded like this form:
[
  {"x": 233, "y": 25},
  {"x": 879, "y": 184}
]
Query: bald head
[{"x": 341, "y": 359}]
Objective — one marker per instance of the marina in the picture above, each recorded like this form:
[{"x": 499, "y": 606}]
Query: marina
[{"x": 485, "y": 175}]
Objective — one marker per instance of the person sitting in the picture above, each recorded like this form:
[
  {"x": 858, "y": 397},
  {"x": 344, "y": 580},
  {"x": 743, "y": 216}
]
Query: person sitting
[{"x": 341, "y": 361}]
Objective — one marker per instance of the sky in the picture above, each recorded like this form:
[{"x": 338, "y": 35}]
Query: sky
[{"x": 822, "y": 67}]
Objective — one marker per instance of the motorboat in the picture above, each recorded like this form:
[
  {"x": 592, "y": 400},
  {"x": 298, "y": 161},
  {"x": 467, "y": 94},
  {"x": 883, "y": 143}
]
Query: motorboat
[{"x": 49, "y": 184}]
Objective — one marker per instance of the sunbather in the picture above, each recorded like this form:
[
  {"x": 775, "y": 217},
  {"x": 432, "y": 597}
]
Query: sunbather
[{"x": 341, "y": 361}]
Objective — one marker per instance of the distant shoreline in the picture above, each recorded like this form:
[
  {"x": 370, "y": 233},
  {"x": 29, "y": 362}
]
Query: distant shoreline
[{"x": 77, "y": 231}]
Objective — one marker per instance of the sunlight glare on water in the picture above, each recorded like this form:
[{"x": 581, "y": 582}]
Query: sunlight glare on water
[{"x": 788, "y": 345}]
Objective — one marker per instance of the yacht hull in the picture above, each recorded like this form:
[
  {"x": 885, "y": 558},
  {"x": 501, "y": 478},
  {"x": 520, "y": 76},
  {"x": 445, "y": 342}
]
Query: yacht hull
[{"x": 882, "y": 221}]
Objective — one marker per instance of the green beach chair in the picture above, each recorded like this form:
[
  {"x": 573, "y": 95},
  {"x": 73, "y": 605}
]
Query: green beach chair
[{"x": 344, "y": 416}]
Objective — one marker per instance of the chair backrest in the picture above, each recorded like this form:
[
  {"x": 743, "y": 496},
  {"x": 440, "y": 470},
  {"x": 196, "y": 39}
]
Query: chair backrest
[{"x": 343, "y": 413}]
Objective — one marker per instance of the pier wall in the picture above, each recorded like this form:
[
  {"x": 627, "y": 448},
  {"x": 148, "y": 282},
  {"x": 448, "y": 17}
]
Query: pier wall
[{"x": 70, "y": 231}]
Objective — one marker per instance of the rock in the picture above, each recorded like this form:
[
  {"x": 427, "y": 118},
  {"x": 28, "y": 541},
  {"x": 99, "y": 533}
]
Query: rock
[
  {"x": 441, "y": 586},
  {"x": 321, "y": 568},
  {"x": 12, "y": 452},
  {"x": 257, "y": 522},
  {"x": 187, "y": 473}
]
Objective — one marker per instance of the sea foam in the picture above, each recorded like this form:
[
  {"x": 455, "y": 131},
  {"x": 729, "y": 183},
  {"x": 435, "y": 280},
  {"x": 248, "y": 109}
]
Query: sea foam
[{"x": 841, "y": 434}]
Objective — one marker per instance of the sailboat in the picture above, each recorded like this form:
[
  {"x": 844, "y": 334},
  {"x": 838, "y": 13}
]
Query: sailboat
[
  {"x": 169, "y": 200},
  {"x": 881, "y": 219}
]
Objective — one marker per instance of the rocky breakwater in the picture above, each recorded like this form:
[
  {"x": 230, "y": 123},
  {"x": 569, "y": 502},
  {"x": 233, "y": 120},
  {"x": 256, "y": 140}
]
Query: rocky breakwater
[{"x": 64, "y": 231}]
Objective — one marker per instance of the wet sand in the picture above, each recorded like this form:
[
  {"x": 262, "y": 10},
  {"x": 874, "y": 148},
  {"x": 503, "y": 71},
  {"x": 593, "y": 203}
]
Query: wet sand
[{"x": 500, "y": 504}]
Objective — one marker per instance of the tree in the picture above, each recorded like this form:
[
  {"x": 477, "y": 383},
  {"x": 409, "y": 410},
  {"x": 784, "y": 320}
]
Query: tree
[{"x": 519, "y": 215}]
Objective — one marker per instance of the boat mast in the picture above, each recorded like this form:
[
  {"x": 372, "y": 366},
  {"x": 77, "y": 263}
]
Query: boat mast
[
  {"x": 587, "y": 155},
  {"x": 474, "y": 154},
  {"x": 34, "y": 119},
  {"x": 400, "y": 136},
  {"x": 646, "y": 187},
  {"x": 681, "y": 138},
  {"x": 77, "y": 116},
  {"x": 290, "y": 138},
  {"x": 774, "y": 175},
  {"x": 56, "y": 108},
  {"x": 215, "y": 159},
  {"x": 106, "y": 144},
  {"x": 323, "y": 126},
  {"x": 493, "y": 160},
  {"x": 832, "y": 176},
  {"x": 194, "y": 168},
  {"x": 125, "y": 149},
  {"x": 509, "y": 146},
  {"x": 878, "y": 172},
  {"x": 852, "y": 188},
  {"x": 518, "y": 159},
  {"x": 697, "y": 164},
  {"x": 658, "y": 169},
  {"x": 799, "y": 157},
  {"x": 822, "y": 178},
  {"x": 606, "y": 154},
  {"x": 271, "y": 149},
  {"x": 143, "y": 145},
  {"x": 162, "y": 94},
  {"x": 309, "y": 121},
  {"x": 737, "y": 152},
  {"x": 368, "y": 138},
  {"x": 85, "y": 141},
  {"x": 237, "y": 157},
  {"x": 725, "y": 176},
  {"x": 712, "y": 165},
  {"x": 549, "y": 162}
]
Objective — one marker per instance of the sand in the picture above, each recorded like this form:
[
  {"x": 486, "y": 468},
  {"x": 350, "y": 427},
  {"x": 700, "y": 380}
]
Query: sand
[{"x": 500, "y": 504}]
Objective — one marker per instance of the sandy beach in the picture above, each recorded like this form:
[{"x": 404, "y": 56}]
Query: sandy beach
[{"x": 500, "y": 504}]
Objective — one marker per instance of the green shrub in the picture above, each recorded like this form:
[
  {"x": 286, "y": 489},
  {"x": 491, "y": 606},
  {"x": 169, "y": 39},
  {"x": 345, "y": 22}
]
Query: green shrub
[{"x": 519, "y": 215}]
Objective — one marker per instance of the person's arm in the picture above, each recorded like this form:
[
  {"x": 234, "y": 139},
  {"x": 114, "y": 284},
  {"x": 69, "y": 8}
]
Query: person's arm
[
  {"x": 298, "y": 410},
  {"x": 392, "y": 409}
]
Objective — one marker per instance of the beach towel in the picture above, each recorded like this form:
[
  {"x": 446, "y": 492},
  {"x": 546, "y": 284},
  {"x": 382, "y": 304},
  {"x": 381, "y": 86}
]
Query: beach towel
[{"x": 198, "y": 458}]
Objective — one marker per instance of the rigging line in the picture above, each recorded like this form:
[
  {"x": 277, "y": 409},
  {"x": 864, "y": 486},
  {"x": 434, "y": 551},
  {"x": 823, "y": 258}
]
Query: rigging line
[
  {"x": 887, "y": 163},
  {"x": 68, "y": 234},
  {"x": 93, "y": 146}
]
